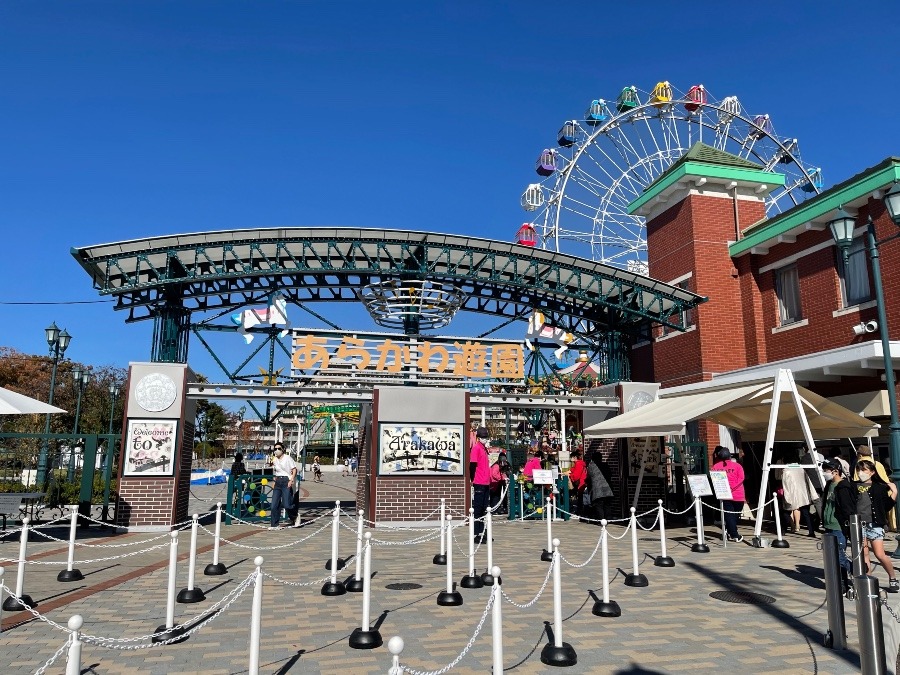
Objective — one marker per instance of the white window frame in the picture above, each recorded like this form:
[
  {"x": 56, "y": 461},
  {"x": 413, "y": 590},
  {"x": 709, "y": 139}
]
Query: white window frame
[{"x": 785, "y": 316}]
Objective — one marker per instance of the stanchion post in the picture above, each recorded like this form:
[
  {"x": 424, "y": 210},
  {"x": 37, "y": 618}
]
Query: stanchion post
[
  {"x": 497, "y": 623},
  {"x": 487, "y": 578},
  {"x": 169, "y": 632},
  {"x": 557, "y": 653},
  {"x": 722, "y": 520},
  {"x": 190, "y": 594},
  {"x": 256, "y": 617},
  {"x": 21, "y": 601},
  {"x": 395, "y": 647},
  {"x": 836, "y": 636},
  {"x": 780, "y": 541},
  {"x": 701, "y": 545},
  {"x": 869, "y": 626},
  {"x": 856, "y": 546},
  {"x": 73, "y": 660},
  {"x": 663, "y": 559},
  {"x": 216, "y": 568},
  {"x": 355, "y": 585},
  {"x": 635, "y": 578},
  {"x": 366, "y": 637},
  {"x": 450, "y": 597},
  {"x": 441, "y": 558},
  {"x": 471, "y": 580},
  {"x": 70, "y": 573},
  {"x": 2, "y": 582},
  {"x": 605, "y": 607},
  {"x": 547, "y": 553},
  {"x": 335, "y": 530},
  {"x": 334, "y": 587}
]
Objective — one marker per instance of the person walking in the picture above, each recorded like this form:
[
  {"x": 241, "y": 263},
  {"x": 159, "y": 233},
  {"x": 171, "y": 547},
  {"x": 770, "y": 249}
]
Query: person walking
[
  {"x": 317, "y": 470},
  {"x": 865, "y": 452},
  {"x": 874, "y": 500},
  {"x": 578, "y": 477},
  {"x": 237, "y": 467},
  {"x": 734, "y": 506},
  {"x": 346, "y": 467},
  {"x": 600, "y": 490},
  {"x": 283, "y": 493},
  {"x": 798, "y": 493},
  {"x": 354, "y": 463},
  {"x": 839, "y": 503},
  {"x": 480, "y": 475}
]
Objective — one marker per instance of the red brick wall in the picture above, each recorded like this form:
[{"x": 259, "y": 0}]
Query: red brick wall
[
  {"x": 144, "y": 501},
  {"x": 413, "y": 498}
]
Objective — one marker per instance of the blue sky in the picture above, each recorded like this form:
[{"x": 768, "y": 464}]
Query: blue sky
[{"x": 123, "y": 120}]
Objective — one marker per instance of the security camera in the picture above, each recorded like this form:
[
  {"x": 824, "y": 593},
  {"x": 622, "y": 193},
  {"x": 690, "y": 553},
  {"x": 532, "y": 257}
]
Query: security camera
[{"x": 867, "y": 327}]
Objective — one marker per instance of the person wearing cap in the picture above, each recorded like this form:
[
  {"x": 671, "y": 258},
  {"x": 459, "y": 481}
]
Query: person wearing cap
[
  {"x": 480, "y": 475},
  {"x": 735, "y": 474},
  {"x": 282, "y": 494},
  {"x": 839, "y": 502}
]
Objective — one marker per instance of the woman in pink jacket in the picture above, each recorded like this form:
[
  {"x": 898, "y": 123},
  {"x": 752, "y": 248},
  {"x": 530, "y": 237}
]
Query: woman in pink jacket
[
  {"x": 533, "y": 463},
  {"x": 735, "y": 473}
]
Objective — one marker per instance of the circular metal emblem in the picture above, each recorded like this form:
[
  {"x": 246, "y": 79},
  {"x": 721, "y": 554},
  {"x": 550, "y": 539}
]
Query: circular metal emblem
[
  {"x": 155, "y": 392},
  {"x": 638, "y": 399}
]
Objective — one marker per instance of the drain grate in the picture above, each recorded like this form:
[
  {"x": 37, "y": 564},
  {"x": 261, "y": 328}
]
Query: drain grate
[
  {"x": 406, "y": 586},
  {"x": 742, "y": 597}
]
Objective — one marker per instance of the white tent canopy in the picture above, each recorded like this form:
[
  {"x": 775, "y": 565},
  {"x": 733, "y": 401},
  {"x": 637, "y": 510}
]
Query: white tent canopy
[
  {"x": 743, "y": 407},
  {"x": 13, "y": 403}
]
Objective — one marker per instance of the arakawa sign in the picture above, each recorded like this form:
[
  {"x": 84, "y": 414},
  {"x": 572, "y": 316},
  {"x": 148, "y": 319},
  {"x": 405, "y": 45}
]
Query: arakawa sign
[
  {"x": 470, "y": 359},
  {"x": 420, "y": 449}
]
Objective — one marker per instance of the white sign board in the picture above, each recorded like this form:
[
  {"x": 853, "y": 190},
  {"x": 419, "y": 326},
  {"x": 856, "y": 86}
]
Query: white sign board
[
  {"x": 720, "y": 485},
  {"x": 542, "y": 477},
  {"x": 699, "y": 485}
]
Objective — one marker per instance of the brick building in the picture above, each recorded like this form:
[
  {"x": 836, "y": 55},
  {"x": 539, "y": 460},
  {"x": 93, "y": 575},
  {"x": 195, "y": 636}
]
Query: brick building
[{"x": 780, "y": 295}]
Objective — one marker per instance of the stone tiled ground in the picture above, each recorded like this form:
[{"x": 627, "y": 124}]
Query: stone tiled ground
[{"x": 670, "y": 626}]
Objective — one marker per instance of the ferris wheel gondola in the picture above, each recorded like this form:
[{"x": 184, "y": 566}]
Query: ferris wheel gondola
[{"x": 606, "y": 160}]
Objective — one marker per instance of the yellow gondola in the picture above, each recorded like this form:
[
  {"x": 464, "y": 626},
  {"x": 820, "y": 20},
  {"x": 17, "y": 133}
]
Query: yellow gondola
[{"x": 661, "y": 94}]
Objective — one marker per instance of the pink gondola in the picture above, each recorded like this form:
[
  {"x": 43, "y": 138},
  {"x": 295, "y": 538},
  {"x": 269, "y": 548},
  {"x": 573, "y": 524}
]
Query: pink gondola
[
  {"x": 527, "y": 235},
  {"x": 696, "y": 97}
]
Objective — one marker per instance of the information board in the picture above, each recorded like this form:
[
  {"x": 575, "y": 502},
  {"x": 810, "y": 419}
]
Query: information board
[
  {"x": 720, "y": 485},
  {"x": 699, "y": 485},
  {"x": 542, "y": 477}
]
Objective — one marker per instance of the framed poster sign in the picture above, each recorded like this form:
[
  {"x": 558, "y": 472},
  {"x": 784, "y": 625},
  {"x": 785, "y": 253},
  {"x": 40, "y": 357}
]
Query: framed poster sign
[
  {"x": 435, "y": 449},
  {"x": 150, "y": 448},
  {"x": 699, "y": 485},
  {"x": 720, "y": 485},
  {"x": 542, "y": 477}
]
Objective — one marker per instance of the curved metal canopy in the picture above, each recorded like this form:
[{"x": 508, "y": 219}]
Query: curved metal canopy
[{"x": 220, "y": 271}]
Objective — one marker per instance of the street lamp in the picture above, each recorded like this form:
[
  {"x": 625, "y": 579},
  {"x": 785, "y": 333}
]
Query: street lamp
[
  {"x": 113, "y": 390},
  {"x": 58, "y": 340},
  {"x": 81, "y": 378},
  {"x": 842, "y": 231}
]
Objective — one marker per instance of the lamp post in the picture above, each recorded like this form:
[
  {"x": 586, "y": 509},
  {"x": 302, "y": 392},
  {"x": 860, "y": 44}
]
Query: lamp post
[
  {"x": 113, "y": 390},
  {"x": 308, "y": 409},
  {"x": 58, "y": 340},
  {"x": 842, "y": 231},
  {"x": 81, "y": 378}
]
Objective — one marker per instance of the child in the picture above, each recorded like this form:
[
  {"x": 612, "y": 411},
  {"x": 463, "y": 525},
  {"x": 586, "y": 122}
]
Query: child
[
  {"x": 317, "y": 470},
  {"x": 874, "y": 500}
]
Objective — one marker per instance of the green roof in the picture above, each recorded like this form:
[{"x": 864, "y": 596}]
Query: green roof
[
  {"x": 882, "y": 174},
  {"x": 706, "y": 161}
]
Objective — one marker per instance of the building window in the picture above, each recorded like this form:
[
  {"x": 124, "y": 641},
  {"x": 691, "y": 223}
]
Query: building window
[
  {"x": 854, "y": 275},
  {"x": 687, "y": 316},
  {"x": 787, "y": 288}
]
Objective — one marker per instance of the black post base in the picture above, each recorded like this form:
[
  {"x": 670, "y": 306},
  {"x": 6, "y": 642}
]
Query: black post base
[
  {"x": 11, "y": 604},
  {"x": 365, "y": 639},
  {"x": 340, "y": 564},
  {"x": 546, "y": 556},
  {"x": 176, "y": 635},
  {"x": 70, "y": 575},
  {"x": 636, "y": 580},
  {"x": 609, "y": 609},
  {"x": 781, "y": 543},
  {"x": 215, "y": 570},
  {"x": 187, "y": 596},
  {"x": 439, "y": 559},
  {"x": 336, "y": 588},
  {"x": 558, "y": 656},
  {"x": 471, "y": 581},
  {"x": 449, "y": 598},
  {"x": 488, "y": 579},
  {"x": 354, "y": 586},
  {"x": 664, "y": 561},
  {"x": 700, "y": 548}
]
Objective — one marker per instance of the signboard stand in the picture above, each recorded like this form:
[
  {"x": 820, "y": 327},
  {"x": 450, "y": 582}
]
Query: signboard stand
[{"x": 723, "y": 493}]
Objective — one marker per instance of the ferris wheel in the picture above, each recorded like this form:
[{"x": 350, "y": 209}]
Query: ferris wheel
[{"x": 606, "y": 159}]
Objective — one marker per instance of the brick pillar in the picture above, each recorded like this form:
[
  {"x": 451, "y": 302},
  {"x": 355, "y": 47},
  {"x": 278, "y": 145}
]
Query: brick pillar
[{"x": 157, "y": 447}]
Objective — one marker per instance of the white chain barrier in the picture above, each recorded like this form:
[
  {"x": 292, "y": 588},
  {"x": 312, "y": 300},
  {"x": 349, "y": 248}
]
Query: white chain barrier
[
  {"x": 635, "y": 578},
  {"x": 268, "y": 548},
  {"x": 454, "y": 662},
  {"x": 496, "y": 623},
  {"x": 535, "y": 598},
  {"x": 49, "y": 662},
  {"x": 590, "y": 557},
  {"x": 92, "y": 560}
]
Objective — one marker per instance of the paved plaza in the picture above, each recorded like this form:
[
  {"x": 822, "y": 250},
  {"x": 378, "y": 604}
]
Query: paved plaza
[{"x": 673, "y": 625}]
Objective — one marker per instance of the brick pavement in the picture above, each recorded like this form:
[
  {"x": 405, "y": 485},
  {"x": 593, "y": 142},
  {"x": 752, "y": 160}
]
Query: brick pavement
[{"x": 670, "y": 626}]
